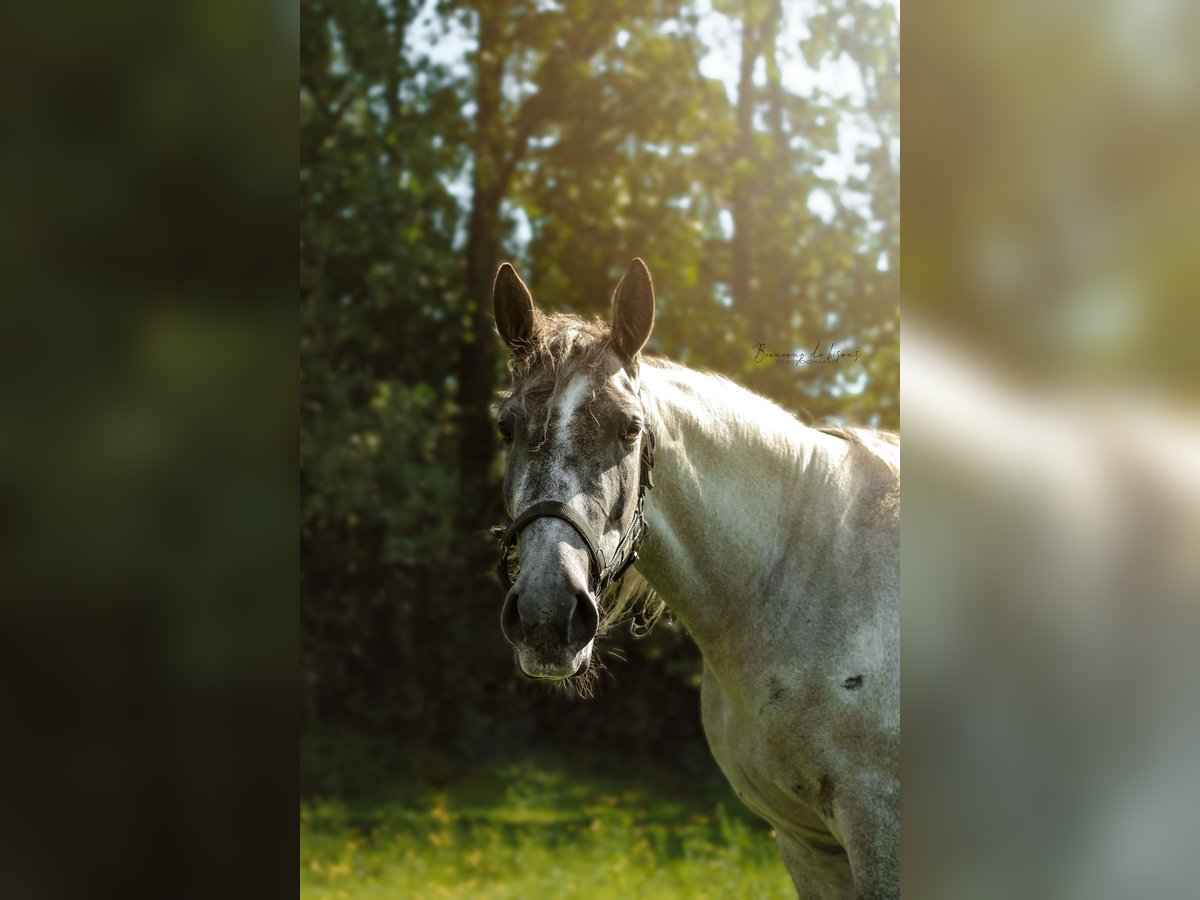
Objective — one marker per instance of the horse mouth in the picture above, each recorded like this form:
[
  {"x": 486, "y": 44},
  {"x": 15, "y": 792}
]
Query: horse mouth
[{"x": 558, "y": 668}]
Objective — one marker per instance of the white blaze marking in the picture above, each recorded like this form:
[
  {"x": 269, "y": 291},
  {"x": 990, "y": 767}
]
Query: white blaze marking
[{"x": 569, "y": 401}]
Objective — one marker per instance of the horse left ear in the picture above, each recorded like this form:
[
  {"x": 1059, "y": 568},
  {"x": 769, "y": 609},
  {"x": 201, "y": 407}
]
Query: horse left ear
[
  {"x": 633, "y": 310},
  {"x": 512, "y": 305}
]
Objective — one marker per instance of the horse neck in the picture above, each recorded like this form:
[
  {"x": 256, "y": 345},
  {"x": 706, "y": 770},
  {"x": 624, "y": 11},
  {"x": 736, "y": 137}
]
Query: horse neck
[{"x": 737, "y": 482}]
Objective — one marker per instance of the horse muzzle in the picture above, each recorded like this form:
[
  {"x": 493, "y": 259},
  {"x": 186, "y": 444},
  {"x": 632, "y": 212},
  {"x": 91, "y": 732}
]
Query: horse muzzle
[{"x": 552, "y": 635}]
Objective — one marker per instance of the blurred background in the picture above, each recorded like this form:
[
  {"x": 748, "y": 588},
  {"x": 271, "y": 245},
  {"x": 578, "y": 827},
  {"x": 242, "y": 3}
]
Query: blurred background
[
  {"x": 147, "y": 448},
  {"x": 749, "y": 152},
  {"x": 1051, "y": 390},
  {"x": 148, "y": 493}
]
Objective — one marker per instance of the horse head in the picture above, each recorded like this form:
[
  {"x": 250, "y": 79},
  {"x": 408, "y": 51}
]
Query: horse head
[{"x": 579, "y": 452}]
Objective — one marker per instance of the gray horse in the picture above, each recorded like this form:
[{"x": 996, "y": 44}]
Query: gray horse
[{"x": 776, "y": 546}]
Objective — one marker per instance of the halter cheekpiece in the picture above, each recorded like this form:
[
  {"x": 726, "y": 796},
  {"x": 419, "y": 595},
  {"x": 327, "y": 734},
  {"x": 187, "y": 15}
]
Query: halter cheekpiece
[{"x": 603, "y": 572}]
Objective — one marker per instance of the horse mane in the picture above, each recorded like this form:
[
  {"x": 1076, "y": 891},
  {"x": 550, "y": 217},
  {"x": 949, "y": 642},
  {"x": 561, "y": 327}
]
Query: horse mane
[
  {"x": 882, "y": 446},
  {"x": 561, "y": 344},
  {"x": 634, "y": 600}
]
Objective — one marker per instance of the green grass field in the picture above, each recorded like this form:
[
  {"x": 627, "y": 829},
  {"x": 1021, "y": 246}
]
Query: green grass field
[{"x": 534, "y": 830}]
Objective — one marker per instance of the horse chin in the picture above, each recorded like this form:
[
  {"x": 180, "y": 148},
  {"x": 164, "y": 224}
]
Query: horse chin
[{"x": 554, "y": 669}]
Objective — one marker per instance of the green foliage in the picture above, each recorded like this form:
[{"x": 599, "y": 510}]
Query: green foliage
[{"x": 380, "y": 288}]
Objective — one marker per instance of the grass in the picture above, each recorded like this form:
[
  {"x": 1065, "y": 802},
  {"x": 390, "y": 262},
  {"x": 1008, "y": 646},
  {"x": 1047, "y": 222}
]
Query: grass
[{"x": 533, "y": 829}]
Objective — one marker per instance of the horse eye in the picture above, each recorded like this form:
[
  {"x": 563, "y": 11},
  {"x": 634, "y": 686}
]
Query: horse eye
[
  {"x": 632, "y": 430},
  {"x": 506, "y": 430}
]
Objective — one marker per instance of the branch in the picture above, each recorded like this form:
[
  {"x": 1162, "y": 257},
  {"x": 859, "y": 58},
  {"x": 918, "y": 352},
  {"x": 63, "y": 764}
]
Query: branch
[{"x": 535, "y": 110}]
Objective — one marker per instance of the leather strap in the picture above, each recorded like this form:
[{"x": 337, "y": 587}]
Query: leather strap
[
  {"x": 603, "y": 572},
  {"x": 555, "y": 510}
]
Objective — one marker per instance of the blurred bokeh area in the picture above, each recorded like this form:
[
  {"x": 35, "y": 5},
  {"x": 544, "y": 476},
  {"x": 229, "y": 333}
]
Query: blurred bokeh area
[
  {"x": 1051, "y": 390},
  {"x": 147, "y": 435},
  {"x": 749, "y": 152}
]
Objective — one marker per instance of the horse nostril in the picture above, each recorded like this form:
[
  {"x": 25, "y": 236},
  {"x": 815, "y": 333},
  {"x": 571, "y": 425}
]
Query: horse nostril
[
  {"x": 510, "y": 620},
  {"x": 584, "y": 621}
]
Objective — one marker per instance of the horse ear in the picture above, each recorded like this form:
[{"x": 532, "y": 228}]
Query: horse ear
[
  {"x": 512, "y": 305},
  {"x": 633, "y": 310}
]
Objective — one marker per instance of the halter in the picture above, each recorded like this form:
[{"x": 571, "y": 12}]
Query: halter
[{"x": 603, "y": 572}]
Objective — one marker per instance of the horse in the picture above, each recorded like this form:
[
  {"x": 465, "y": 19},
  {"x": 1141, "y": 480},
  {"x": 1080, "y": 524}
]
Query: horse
[{"x": 776, "y": 546}]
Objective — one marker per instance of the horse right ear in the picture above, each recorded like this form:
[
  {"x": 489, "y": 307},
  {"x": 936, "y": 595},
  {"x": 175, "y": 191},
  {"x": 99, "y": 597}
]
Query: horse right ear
[{"x": 512, "y": 305}]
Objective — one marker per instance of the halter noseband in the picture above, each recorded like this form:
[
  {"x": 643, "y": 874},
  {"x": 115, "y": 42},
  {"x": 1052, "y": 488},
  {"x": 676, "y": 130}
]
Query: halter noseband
[{"x": 603, "y": 572}]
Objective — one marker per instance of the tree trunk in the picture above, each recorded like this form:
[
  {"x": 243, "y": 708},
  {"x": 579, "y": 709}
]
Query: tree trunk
[
  {"x": 776, "y": 292},
  {"x": 478, "y": 345},
  {"x": 391, "y": 98},
  {"x": 744, "y": 174}
]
